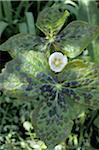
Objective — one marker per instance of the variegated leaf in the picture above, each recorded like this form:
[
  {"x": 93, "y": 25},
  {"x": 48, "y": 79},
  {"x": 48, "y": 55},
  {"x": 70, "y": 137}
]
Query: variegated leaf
[
  {"x": 81, "y": 82},
  {"x": 18, "y": 79},
  {"x": 52, "y": 120},
  {"x": 51, "y": 19},
  {"x": 23, "y": 42},
  {"x": 59, "y": 98},
  {"x": 75, "y": 37},
  {"x": 73, "y": 90}
]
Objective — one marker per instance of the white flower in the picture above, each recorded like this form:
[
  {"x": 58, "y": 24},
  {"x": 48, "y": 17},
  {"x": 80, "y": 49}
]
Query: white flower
[{"x": 57, "y": 61}]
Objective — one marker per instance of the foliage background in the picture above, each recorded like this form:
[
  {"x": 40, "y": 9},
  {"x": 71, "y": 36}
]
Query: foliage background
[{"x": 16, "y": 130}]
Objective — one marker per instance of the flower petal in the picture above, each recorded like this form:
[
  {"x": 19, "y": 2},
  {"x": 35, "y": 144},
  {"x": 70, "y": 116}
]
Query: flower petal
[{"x": 57, "y": 61}]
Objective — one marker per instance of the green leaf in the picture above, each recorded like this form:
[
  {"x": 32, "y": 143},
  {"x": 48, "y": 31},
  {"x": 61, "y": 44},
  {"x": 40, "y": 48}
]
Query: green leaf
[
  {"x": 23, "y": 27},
  {"x": 51, "y": 19},
  {"x": 96, "y": 122},
  {"x": 96, "y": 51},
  {"x": 7, "y": 9},
  {"x": 23, "y": 42},
  {"x": 88, "y": 11},
  {"x": 18, "y": 79},
  {"x": 58, "y": 98},
  {"x": 1, "y": 13},
  {"x": 3, "y": 26},
  {"x": 81, "y": 82},
  {"x": 30, "y": 23},
  {"x": 52, "y": 120},
  {"x": 51, "y": 130},
  {"x": 75, "y": 38}
]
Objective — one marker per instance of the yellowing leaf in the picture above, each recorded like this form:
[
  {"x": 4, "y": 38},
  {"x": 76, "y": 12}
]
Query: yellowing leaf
[
  {"x": 23, "y": 42},
  {"x": 75, "y": 37},
  {"x": 19, "y": 77},
  {"x": 51, "y": 19}
]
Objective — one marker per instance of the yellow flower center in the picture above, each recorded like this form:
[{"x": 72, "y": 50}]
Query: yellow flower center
[{"x": 57, "y": 62}]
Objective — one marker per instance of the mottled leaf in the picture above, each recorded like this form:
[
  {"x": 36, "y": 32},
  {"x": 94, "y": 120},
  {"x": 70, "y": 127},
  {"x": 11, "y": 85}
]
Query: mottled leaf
[
  {"x": 59, "y": 98},
  {"x": 52, "y": 120},
  {"x": 51, "y": 19},
  {"x": 23, "y": 42},
  {"x": 75, "y": 38},
  {"x": 81, "y": 82},
  {"x": 19, "y": 76}
]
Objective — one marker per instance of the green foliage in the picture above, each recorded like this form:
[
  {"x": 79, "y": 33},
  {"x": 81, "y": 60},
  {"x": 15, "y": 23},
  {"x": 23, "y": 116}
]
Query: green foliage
[
  {"x": 18, "y": 78},
  {"x": 57, "y": 98},
  {"x": 96, "y": 122},
  {"x": 14, "y": 116},
  {"x": 23, "y": 42},
  {"x": 83, "y": 80},
  {"x": 15, "y": 122},
  {"x": 3, "y": 25},
  {"x": 75, "y": 37},
  {"x": 30, "y": 22},
  {"x": 50, "y": 21},
  {"x": 71, "y": 41},
  {"x": 87, "y": 10},
  {"x": 11, "y": 20}
]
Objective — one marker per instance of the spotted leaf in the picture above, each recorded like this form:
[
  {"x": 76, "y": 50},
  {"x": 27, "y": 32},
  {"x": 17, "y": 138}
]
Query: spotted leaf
[
  {"x": 75, "y": 37},
  {"x": 23, "y": 42},
  {"x": 18, "y": 79},
  {"x": 81, "y": 82},
  {"x": 52, "y": 120},
  {"x": 51, "y": 19}
]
